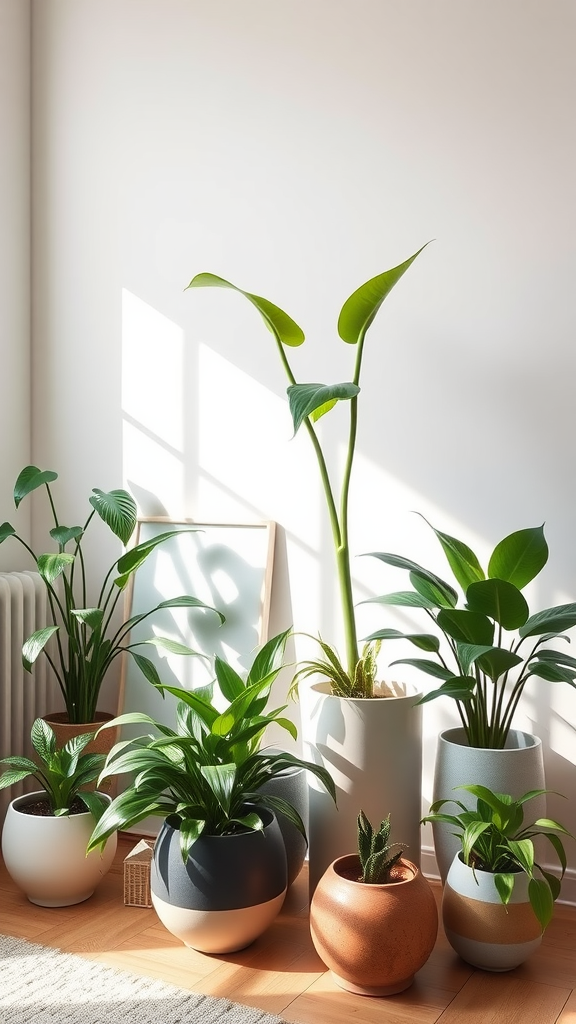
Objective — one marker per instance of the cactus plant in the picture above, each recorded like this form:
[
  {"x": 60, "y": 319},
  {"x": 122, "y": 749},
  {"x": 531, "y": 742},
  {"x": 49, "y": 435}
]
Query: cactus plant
[{"x": 374, "y": 851}]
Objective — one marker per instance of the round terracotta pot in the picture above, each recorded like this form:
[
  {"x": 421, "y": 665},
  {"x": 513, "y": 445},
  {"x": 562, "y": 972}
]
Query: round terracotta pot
[
  {"x": 373, "y": 938},
  {"x": 482, "y": 931},
  {"x": 46, "y": 855},
  {"x": 65, "y": 730}
]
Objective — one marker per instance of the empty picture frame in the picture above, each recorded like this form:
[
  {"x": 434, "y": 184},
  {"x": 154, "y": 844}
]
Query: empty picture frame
[{"x": 226, "y": 565}]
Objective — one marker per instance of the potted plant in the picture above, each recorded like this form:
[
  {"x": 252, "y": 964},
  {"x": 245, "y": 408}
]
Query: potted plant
[
  {"x": 87, "y": 640},
  {"x": 219, "y": 872},
  {"x": 343, "y": 728},
  {"x": 46, "y": 832},
  {"x": 497, "y": 900},
  {"x": 492, "y": 646},
  {"x": 373, "y": 916}
]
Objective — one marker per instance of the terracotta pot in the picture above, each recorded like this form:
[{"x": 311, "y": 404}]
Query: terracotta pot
[
  {"x": 46, "y": 855},
  {"x": 482, "y": 931},
  {"x": 65, "y": 730},
  {"x": 373, "y": 938},
  {"x": 372, "y": 748},
  {"x": 516, "y": 769}
]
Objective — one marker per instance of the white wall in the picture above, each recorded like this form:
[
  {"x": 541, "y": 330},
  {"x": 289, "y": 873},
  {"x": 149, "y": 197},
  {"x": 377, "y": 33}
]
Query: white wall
[
  {"x": 298, "y": 149},
  {"x": 14, "y": 262}
]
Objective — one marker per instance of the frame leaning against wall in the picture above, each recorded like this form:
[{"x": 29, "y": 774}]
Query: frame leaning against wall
[{"x": 228, "y": 566}]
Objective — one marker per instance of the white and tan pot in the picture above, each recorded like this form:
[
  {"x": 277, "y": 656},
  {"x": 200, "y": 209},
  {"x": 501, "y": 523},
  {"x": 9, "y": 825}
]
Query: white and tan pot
[
  {"x": 46, "y": 855},
  {"x": 480, "y": 928},
  {"x": 373, "y": 751},
  {"x": 516, "y": 769}
]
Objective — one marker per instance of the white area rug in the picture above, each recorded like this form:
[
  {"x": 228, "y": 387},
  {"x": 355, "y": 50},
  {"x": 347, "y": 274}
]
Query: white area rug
[{"x": 44, "y": 986}]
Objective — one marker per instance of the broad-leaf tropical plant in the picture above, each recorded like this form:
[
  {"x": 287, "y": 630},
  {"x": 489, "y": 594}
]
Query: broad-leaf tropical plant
[
  {"x": 62, "y": 772},
  {"x": 375, "y": 851},
  {"x": 206, "y": 775},
  {"x": 86, "y": 640},
  {"x": 353, "y": 675},
  {"x": 493, "y": 645},
  {"x": 494, "y": 839}
]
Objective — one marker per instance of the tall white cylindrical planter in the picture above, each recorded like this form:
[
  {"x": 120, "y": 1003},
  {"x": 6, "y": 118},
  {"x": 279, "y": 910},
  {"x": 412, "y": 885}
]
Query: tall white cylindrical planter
[
  {"x": 516, "y": 769},
  {"x": 373, "y": 751}
]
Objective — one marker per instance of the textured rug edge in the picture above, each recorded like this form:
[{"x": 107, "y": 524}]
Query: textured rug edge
[{"x": 188, "y": 1006}]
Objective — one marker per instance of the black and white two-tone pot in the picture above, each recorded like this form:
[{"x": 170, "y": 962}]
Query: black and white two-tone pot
[{"x": 229, "y": 890}]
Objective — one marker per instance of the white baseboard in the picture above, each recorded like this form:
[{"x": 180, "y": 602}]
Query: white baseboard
[{"x": 568, "y": 894}]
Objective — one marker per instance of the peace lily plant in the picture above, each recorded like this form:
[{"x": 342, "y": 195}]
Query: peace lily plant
[
  {"x": 85, "y": 638},
  {"x": 493, "y": 644},
  {"x": 353, "y": 675}
]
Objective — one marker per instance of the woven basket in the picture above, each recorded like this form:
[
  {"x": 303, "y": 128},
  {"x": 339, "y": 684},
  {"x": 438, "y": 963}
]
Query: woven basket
[{"x": 137, "y": 875}]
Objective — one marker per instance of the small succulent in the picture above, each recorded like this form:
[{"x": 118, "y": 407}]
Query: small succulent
[
  {"x": 61, "y": 772},
  {"x": 374, "y": 851}
]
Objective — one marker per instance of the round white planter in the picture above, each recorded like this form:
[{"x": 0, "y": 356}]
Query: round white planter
[
  {"x": 46, "y": 856},
  {"x": 516, "y": 769},
  {"x": 373, "y": 751},
  {"x": 481, "y": 930}
]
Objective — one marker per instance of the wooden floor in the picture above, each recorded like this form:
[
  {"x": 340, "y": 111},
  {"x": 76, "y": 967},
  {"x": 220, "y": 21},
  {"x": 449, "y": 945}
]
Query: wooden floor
[{"x": 280, "y": 972}]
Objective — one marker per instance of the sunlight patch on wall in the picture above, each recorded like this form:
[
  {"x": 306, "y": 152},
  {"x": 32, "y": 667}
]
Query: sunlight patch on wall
[{"x": 152, "y": 403}]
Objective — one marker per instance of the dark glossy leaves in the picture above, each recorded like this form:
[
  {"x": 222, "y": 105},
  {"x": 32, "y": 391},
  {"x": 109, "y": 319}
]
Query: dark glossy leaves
[
  {"x": 519, "y": 557},
  {"x": 64, "y": 534},
  {"x": 6, "y": 530},
  {"x": 316, "y": 399},
  {"x": 466, "y": 627},
  {"x": 431, "y": 668},
  {"x": 277, "y": 321},
  {"x": 457, "y": 687},
  {"x": 461, "y": 559},
  {"x": 29, "y": 479},
  {"x": 497, "y": 661},
  {"x": 444, "y": 594},
  {"x": 402, "y": 599},
  {"x": 551, "y": 620},
  {"x": 117, "y": 509},
  {"x": 425, "y": 641},
  {"x": 360, "y": 309},
  {"x": 499, "y": 600}
]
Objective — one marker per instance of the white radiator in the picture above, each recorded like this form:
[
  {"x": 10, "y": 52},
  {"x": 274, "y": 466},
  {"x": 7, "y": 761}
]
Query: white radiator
[{"x": 23, "y": 696}]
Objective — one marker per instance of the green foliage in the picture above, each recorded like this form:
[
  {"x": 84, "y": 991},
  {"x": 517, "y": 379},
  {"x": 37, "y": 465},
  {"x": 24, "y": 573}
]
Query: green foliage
[
  {"x": 61, "y": 772},
  {"x": 353, "y": 675},
  {"x": 85, "y": 639},
  {"x": 207, "y": 773},
  {"x": 488, "y": 657},
  {"x": 374, "y": 851},
  {"x": 494, "y": 839}
]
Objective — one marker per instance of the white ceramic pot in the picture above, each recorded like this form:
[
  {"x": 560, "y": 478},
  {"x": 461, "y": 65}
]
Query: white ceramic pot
[
  {"x": 46, "y": 856},
  {"x": 516, "y": 769},
  {"x": 481, "y": 930},
  {"x": 373, "y": 751}
]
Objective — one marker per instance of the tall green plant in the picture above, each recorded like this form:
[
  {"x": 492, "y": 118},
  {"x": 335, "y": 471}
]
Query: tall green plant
[
  {"x": 493, "y": 645},
  {"x": 352, "y": 676},
  {"x": 85, "y": 638}
]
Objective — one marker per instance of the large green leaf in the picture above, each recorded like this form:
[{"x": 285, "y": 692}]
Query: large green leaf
[
  {"x": 35, "y": 644},
  {"x": 504, "y": 885},
  {"x": 499, "y": 600},
  {"x": 133, "y": 559},
  {"x": 221, "y": 779},
  {"x": 277, "y": 321},
  {"x": 551, "y": 620},
  {"x": 402, "y": 599},
  {"x": 231, "y": 684},
  {"x": 29, "y": 479},
  {"x": 519, "y": 557},
  {"x": 541, "y": 901},
  {"x": 269, "y": 658},
  {"x": 63, "y": 534},
  {"x": 550, "y": 672},
  {"x": 316, "y": 399},
  {"x": 425, "y": 641},
  {"x": 431, "y": 668},
  {"x": 43, "y": 739},
  {"x": 497, "y": 661},
  {"x": 461, "y": 559},
  {"x": 440, "y": 597},
  {"x": 466, "y": 627},
  {"x": 457, "y": 687},
  {"x": 92, "y": 617},
  {"x": 117, "y": 509},
  {"x": 51, "y": 566},
  {"x": 6, "y": 530},
  {"x": 361, "y": 307},
  {"x": 447, "y": 593}
]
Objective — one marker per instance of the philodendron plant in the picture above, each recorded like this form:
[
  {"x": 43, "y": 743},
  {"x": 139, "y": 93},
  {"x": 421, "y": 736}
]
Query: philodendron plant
[
  {"x": 86, "y": 638},
  {"x": 493, "y": 645},
  {"x": 354, "y": 675},
  {"x": 495, "y": 839}
]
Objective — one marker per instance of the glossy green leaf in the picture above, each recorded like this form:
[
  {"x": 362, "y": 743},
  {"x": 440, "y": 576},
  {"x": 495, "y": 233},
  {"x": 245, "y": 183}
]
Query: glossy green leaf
[
  {"x": 6, "y": 530},
  {"x": 519, "y": 557},
  {"x": 550, "y": 672},
  {"x": 90, "y": 616},
  {"x": 431, "y": 668},
  {"x": 51, "y": 566},
  {"x": 557, "y": 657},
  {"x": 541, "y": 901},
  {"x": 360, "y": 309},
  {"x": 504, "y": 885},
  {"x": 172, "y": 646},
  {"x": 230, "y": 683},
  {"x": 269, "y": 658},
  {"x": 425, "y": 641},
  {"x": 551, "y": 620},
  {"x": 438, "y": 596},
  {"x": 402, "y": 599},
  {"x": 221, "y": 779},
  {"x": 43, "y": 739},
  {"x": 447, "y": 595},
  {"x": 148, "y": 669},
  {"x": 497, "y": 661},
  {"x": 499, "y": 600},
  {"x": 461, "y": 559},
  {"x": 466, "y": 627},
  {"x": 468, "y": 653},
  {"x": 64, "y": 534},
  {"x": 457, "y": 687},
  {"x": 308, "y": 399},
  {"x": 35, "y": 644},
  {"x": 277, "y": 321},
  {"x": 472, "y": 833},
  {"x": 117, "y": 509},
  {"x": 29, "y": 479}
]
